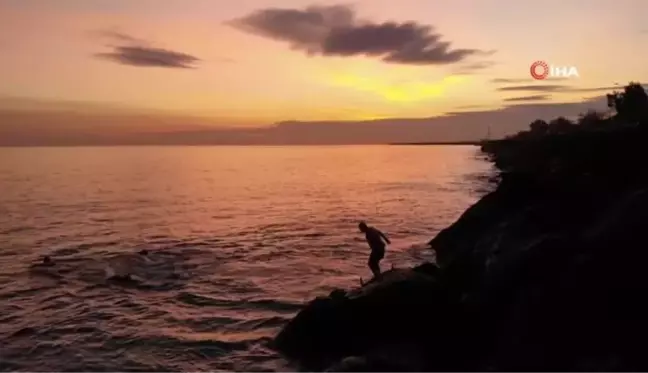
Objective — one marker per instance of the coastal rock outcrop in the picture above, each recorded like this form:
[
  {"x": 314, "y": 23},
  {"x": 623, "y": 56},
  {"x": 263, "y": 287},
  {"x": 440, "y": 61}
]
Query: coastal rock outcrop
[
  {"x": 388, "y": 320},
  {"x": 547, "y": 272}
]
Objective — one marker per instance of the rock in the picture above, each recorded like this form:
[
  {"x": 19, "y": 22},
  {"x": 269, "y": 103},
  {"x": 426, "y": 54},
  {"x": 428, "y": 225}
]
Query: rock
[
  {"x": 400, "y": 307},
  {"x": 429, "y": 269},
  {"x": 351, "y": 364},
  {"x": 338, "y": 294},
  {"x": 372, "y": 364},
  {"x": 550, "y": 275},
  {"x": 549, "y": 298}
]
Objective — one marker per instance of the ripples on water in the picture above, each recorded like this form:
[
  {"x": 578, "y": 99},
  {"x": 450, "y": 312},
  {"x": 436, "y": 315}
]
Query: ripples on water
[{"x": 240, "y": 238}]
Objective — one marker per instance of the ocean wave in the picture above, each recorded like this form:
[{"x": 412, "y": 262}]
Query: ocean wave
[{"x": 265, "y": 304}]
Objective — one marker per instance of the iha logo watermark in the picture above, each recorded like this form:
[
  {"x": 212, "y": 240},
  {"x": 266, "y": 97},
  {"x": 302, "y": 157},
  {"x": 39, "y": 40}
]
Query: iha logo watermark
[{"x": 541, "y": 70}]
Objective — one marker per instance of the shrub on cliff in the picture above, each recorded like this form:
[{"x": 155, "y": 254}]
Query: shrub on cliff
[
  {"x": 631, "y": 105},
  {"x": 539, "y": 127},
  {"x": 592, "y": 119},
  {"x": 561, "y": 125}
]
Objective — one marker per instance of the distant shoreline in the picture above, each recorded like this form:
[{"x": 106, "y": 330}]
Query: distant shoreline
[{"x": 475, "y": 143}]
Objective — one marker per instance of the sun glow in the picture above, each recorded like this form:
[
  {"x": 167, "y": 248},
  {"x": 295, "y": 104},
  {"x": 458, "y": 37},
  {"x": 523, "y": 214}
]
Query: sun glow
[{"x": 400, "y": 91}]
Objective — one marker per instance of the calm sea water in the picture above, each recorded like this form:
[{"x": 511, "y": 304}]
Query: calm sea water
[{"x": 240, "y": 238}]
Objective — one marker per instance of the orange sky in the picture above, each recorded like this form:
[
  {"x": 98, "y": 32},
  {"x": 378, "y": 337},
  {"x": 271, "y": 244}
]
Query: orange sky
[{"x": 241, "y": 78}]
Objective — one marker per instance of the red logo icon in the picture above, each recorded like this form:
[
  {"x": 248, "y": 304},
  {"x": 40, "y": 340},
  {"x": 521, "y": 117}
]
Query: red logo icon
[{"x": 543, "y": 67}]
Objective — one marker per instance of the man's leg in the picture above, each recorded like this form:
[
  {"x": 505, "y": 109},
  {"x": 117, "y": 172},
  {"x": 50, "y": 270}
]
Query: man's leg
[
  {"x": 374, "y": 261},
  {"x": 374, "y": 266}
]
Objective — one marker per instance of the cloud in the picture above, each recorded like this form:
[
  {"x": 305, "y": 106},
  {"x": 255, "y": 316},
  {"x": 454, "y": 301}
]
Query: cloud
[
  {"x": 473, "y": 68},
  {"x": 132, "y": 51},
  {"x": 472, "y": 106},
  {"x": 149, "y": 57},
  {"x": 596, "y": 89},
  {"x": 556, "y": 88},
  {"x": 534, "y": 88},
  {"x": 335, "y": 31},
  {"x": 528, "y": 98},
  {"x": 507, "y": 80},
  {"x": 521, "y": 80},
  {"x": 117, "y": 36}
]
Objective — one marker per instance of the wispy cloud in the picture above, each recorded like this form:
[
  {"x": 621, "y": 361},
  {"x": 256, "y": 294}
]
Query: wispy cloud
[
  {"x": 117, "y": 36},
  {"x": 534, "y": 88},
  {"x": 150, "y": 57},
  {"x": 521, "y": 80},
  {"x": 595, "y": 89},
  {"x": 528, "y": 98},
  {"x": 462, "y": 109},
  {"x": 555, "y": 88},
  {"x": 129, "y": 50},
  {"x": 471, "y": 106},
  {"x": 473, "y": 68},
  {"x": 335, "y": 31}
]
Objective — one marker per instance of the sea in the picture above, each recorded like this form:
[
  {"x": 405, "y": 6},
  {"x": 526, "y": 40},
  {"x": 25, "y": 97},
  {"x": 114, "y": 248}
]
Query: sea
[{"x": 239, "y": 238}]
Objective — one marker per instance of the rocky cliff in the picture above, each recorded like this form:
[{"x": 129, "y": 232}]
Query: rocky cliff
[{"x": 547, "y": 272}]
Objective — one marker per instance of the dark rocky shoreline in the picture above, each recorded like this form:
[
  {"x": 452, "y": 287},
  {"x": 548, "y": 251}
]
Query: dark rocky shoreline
[{"x": 547, "y": 272}]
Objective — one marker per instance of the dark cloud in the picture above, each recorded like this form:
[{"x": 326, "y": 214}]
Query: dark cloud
[
  {"x": 335, "y": 31},
  {"x": 128, "y": 50},
  {"x": 528, "y": 98},
  {"x": 303, "y": 29},
  {"x": 150, "y": 57}
]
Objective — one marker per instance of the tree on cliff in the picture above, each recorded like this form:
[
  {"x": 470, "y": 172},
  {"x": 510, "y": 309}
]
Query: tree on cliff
[
  {"x": 539, "y": 127},
  {"x": 631, "y": 105},
  {"x": 560, "y": 125},
  {"x": 592, "y": 119}
]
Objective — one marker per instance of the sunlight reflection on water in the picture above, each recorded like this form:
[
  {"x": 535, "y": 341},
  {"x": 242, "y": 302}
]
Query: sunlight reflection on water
[{"x": 242, "y": 237}]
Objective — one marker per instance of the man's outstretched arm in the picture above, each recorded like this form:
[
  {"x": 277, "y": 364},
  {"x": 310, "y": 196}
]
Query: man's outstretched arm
[{"x": 385, "y": 237}]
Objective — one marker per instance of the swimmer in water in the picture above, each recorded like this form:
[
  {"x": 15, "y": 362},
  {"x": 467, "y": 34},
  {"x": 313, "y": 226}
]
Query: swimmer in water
[
  {"x": 46, "y": 262},
  {"x": 45, "y": 267},
  {"x": 122, "y": 278},
  {"x": 120, "y": 267}
]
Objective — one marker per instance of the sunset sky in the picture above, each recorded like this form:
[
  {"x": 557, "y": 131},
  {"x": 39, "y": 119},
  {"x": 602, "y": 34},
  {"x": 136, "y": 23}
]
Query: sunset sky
[{"x": 257, "y": 62}]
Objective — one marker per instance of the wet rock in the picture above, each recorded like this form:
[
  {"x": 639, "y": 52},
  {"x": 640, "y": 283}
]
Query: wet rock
[{"x": 396, "y": 308}]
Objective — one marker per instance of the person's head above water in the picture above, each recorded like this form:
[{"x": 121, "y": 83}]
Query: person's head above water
[
  {"x": 143, "y": 252},
  {"x": 362, "y": 226},
  {"x": 47, "y": 260}
]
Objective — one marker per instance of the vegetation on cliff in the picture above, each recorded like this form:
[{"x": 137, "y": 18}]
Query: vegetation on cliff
[{"x": 627, "y": 108}]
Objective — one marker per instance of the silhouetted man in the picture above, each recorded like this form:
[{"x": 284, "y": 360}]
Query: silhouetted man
[{"x": 376, "y": 240}]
